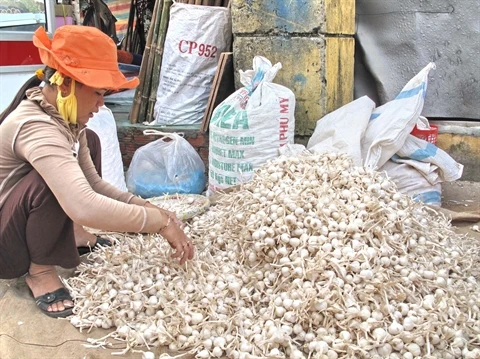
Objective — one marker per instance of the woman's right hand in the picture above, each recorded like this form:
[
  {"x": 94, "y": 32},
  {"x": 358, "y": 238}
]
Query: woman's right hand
[{"x": 178, "y": 240}]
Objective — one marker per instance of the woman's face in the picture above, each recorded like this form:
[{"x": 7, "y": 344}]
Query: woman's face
[{"x": 89, "y": 99}]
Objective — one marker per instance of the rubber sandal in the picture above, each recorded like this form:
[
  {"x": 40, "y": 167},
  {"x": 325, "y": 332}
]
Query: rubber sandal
[
  {"x": 101, "y": 242},
  {"x": 46, "y": 300}
]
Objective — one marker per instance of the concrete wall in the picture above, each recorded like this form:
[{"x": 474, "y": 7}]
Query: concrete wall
[
  {"x": 461, "y": 140},
  {"x": 313, "y": 39},
  {"x": 399, "y": 38}
]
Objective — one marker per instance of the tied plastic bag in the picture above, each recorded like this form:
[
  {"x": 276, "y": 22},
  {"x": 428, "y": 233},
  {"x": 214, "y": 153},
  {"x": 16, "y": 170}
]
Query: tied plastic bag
[
  {"x": 166, "y": 167},
  {"x": 250, "y": 126}
]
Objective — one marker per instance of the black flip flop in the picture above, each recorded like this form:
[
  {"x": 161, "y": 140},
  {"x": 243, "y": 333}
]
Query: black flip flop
[
  {"x": 46, "y": 300},
  {"x": 101, "y": 242}
]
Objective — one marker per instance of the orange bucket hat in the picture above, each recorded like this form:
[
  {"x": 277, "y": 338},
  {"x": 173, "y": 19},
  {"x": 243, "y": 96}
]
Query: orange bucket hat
[{"x": 83, "y": 53}]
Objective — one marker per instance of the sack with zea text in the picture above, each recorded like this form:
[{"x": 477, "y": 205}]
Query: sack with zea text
[{"x": 250, "y": 126}]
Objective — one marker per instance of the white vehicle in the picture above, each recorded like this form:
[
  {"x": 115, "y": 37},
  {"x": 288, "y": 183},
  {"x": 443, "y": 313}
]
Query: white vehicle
[{"x": 19, "y": 58}]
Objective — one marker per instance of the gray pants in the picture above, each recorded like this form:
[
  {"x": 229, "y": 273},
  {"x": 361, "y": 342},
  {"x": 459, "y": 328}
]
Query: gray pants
[{"x": 33, "y": 226}]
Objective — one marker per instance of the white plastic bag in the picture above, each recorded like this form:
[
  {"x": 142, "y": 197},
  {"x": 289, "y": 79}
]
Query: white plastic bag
[
  {"x": 103, "y": 124},
  {"x": 432, "y": 162},
  {"x": 292, "y": 150},
  {"x": 166, "y": 166},
  {"x": 342, "y": 130},
  {"x": 419, "y": 167},
  {"x": 250, "y": 126},
  {"x": 391, "y": 123},
  {"x": 413, "y": 183},
  {"x": 196, "y": 37}
]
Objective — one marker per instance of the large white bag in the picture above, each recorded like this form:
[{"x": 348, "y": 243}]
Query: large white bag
[
  {"x": 435, "y": 164},
  {"x": 342, "y": 130},
  {"x": 250, "y": 126},
  {"x": 391, "y": 123},
  {"x": 413, "y": 183},
  {"x": 103, "y": 124},
  {"x": 196, "y": 37},
  {"x": 419, "y": 168}
]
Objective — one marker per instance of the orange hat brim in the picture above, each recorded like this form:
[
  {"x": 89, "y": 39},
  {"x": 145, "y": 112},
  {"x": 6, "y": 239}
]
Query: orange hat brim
[
  {"x": 112, "y": 79},
  {"x": 102, "y": 79}
]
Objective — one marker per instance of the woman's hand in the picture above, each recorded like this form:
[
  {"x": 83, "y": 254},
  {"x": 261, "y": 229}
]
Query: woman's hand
[
  {"x": 175, "y": 235},
  {"x": 174, "y": 218},
  {"x": 179, "y": 241},
  {"x": 172, "y": 215}
]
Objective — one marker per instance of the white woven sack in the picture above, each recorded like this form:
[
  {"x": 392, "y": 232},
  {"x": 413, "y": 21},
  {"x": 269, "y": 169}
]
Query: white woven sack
[
  {"x": 103, "y": 124},
  {"x": 413, "y": 183},
  {"x": 249, "y": 127},
  {"x": 196, "y": 37},
  {"x": 434, "y": 163},
  {"x": 342, "y": 130},
  {"x": 391, "y": 123}
]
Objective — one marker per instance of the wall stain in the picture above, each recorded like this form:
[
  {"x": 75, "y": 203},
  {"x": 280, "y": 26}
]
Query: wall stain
[{"x": 299, "y": 81}]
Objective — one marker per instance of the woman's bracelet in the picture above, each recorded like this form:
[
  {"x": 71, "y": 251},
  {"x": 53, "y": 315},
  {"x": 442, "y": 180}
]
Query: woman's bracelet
[{"x": 165, "y": 226}]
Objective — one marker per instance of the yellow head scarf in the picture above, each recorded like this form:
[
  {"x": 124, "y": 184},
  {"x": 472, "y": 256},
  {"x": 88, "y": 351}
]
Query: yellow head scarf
[{"x": 66, "y": 106}]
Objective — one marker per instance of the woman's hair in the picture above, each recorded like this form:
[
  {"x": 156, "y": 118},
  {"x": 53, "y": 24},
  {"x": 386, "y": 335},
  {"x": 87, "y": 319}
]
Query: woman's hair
[{"x": 20, "y": 96}]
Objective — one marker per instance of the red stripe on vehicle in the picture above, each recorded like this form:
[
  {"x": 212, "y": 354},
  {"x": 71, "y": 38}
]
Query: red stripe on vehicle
[{"x": 15, "y": 53}]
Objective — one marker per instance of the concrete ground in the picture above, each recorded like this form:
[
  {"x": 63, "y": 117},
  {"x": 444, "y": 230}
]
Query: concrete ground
[
  {"x": 461, "y": 196},
  {"x": 26, "y": 333}
]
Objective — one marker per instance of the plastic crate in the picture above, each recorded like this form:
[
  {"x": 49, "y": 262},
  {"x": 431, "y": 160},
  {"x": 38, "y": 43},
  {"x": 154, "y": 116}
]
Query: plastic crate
[{"x": 429, "y": 135}]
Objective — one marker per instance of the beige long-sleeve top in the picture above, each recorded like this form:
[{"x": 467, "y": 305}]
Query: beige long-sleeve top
[{"x": 34, "y": 136}]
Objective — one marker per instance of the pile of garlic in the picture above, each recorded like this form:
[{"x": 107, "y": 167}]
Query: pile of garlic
[{"x": 313, "y": 258}]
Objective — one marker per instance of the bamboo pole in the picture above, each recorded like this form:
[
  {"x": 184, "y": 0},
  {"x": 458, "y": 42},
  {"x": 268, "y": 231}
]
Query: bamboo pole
[
  {"x": 198, "y": 2},
  {"x": 157, "y": 65},
  {"x": 128, "y": 35},
  {"x": 218, "y": 2},
  {"x": 191, "y": 2},
  {"x": 151, "y": 64},
  {"x": 226, "y": 2},
  {"x": 147, "y": 60}
]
